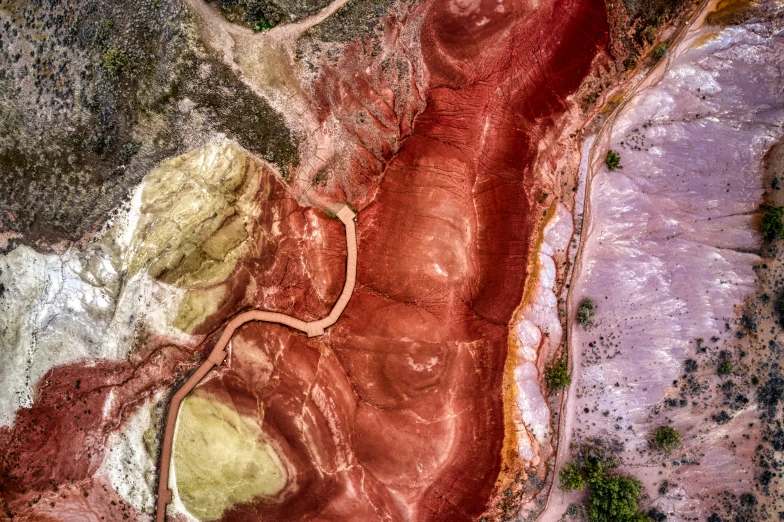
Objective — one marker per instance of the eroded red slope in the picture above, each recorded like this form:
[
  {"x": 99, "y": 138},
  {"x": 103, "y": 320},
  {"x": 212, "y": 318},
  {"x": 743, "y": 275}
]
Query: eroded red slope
[{"x": 397, "y": 413}]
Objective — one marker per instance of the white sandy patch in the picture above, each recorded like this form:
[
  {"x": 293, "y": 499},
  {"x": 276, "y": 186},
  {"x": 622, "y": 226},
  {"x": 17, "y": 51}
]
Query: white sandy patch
[
  {"x": 128, "y": 466},
  {"x": 539, "y": 333}
]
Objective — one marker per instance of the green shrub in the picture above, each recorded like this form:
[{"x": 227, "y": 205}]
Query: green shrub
[
  {"x": 725, "y": 367},
  {"x": 660, "y": 51},
  {"x": 262, "y": 24},
  {"x": 570, "y": 478},
  {"x": 585, "y": 312},
  {"x": 772, "y": 226},
  {"x": 666, "y": 438},
  {"x": 612, "y": 497},
  {"x": 115, "y": 60},
  {"x": 557, "y": 376},
  {"x": 613, "y": 160},
  {"x": 615, "y": 498}
]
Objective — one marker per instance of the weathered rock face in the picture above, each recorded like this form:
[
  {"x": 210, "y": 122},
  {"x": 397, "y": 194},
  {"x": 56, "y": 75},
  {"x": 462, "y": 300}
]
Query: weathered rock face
[{"x": 397, "y": 413}]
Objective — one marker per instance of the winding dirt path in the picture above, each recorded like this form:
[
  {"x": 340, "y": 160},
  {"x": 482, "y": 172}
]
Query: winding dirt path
[{"x": 218, "y": 353}]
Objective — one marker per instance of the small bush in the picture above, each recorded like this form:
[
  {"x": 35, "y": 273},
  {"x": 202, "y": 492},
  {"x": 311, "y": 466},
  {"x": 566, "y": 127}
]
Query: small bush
[
  {"x": 570, "y": 478},
  {"x": 320, "y": 179},
  {"x": 115, "y": 60},
  {"x": 691, "y": 366},
  {"x": 557, "y": 376},
  {"x": 613, "y": 160},
  {"x": 725, "y": 367},
  {"x": 772, "y": 226},
  {"x": 262, "y": 24},
  {"x": 585, "y": 312},
  {"x": 666, "y": 438},
  {"x": 722, "y": 417},
  {"x": 660, "y": 51}
]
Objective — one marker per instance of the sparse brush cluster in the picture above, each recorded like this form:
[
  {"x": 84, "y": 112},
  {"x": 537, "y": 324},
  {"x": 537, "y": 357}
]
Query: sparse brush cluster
[
  {"x": 91, "y": 99},
  {"x": 666, "y": 438},
  {"x": 613, "y": 160},
  {"x": 772, "y": 225},
  {"x": 612, "y": 496}
]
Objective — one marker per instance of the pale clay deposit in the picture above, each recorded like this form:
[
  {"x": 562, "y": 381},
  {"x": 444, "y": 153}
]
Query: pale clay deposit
[{"x": 538, "y": 334}]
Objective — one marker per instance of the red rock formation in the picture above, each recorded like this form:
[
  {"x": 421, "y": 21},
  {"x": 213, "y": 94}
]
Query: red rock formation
[
  {"x": 397, "y": 413},
  {"x": 60, "y": 442}
]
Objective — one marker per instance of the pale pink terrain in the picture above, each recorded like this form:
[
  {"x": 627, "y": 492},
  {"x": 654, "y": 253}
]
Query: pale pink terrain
[{"x": 670, "y": 243}]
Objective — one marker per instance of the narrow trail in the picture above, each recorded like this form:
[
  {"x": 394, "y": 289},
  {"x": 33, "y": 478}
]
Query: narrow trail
[
  {"x": 218, "y": 353},
  {"x": 566, "y": 411}
]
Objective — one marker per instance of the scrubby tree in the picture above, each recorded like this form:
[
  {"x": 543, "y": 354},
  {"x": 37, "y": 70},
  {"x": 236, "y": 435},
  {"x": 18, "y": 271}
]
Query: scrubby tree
[
  {"x": 115, "y": 60},
  {"x": 612, "y": 497},
  {"x": 557, "y": 375},
  {"x": 666, "y": 438},
  {"x": 613, "y": 160},
  {"x": 660, "y": 51},
  {"x": 772, "y": 226},
  {"x": 725, "y": 367},
  {"x": 585, "y": 312},
  {"x": 570, "y": 478},
  {"x": 615, "y": 498}
]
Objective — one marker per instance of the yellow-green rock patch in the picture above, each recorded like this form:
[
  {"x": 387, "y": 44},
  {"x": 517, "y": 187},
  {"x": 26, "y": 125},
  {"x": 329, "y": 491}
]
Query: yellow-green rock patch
[
  {"x": 196, "y": 306},
  {"x": 220, "y": 458},
  {"x": 196, "y": 216}
]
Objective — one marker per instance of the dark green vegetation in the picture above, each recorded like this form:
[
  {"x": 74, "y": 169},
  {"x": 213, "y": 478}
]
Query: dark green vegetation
[
  {"x": 320, "y": 179},
  {"x": 725, "y": 367},
  {"x": 115, "y": 60},
  {"x": 612, "y": 496},
  {"x": 570, "y": 477},
  {"x": 263, "y": 14},
  {"x": 666, "y": 438},
  {"x": 94, "y": 94},
  {"x": 557, "y": 375},
  {"x": 772, "y": 225},
  {"x": 613, "y": 160},
  {"x": 586, "y": 312},
  {"x": 660, "y": 51},
  {"x": 354, "y": 20}
]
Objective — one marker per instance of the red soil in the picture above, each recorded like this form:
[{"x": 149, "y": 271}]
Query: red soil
[
  {"x": 60, "y": 442},
  {"x": 397, "y": 411}
]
